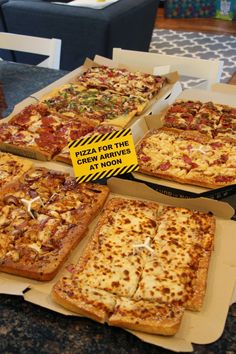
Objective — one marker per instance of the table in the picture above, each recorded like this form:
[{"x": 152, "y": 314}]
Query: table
[
  {"x": 22, "y": 80},
  {"x": 27, "y": 328}
]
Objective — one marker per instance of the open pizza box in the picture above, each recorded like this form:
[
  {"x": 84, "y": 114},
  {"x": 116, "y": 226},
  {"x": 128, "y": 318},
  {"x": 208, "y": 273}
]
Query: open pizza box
[
  {"x": 172, "y": 88},
  {"x": 201, "y": 327},
  {"x": 144, "y": 124},
  {"x": 203, "y": 72}
]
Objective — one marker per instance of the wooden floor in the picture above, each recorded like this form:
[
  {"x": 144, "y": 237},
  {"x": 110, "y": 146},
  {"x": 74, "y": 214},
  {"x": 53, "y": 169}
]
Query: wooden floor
[{"x": 210, "y": 25}]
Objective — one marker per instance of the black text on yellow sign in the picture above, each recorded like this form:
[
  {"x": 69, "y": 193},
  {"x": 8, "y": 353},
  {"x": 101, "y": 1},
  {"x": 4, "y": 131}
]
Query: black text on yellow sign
[{"x": 103, "y": 155}]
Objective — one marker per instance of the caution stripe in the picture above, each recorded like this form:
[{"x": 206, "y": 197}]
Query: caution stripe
[
  {"x": 107, "y": 174},
  {"x": 101, "y": 137}
]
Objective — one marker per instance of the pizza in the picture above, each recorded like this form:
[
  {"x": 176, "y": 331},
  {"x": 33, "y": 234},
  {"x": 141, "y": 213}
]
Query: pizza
[
  {"x": 187, "y": 157},
  {"x": 64, "y": 155},
  {"x": 12, "y": 168},
  {"x": 122, "y": 81},
  {"x": 43, "y": 217},
  {"x": 40, "y": 133},
  {"x": 143, "y": 266},
  {"x": 98, "y": 106},
  {"x": 209, "y": 118}
]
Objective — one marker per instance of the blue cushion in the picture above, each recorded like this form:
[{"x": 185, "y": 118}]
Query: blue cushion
[{"x": 84, "y": 32}]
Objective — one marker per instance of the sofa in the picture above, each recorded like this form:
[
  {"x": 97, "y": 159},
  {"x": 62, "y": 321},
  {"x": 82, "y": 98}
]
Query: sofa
[{"x": 84, "y": 32}]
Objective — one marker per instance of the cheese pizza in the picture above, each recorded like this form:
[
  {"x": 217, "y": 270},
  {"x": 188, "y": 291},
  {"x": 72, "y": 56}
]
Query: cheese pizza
[
  {"x": 144, "y": 265},
  {"x": 43, "y": 217},
  {"x": 187, "y": 157}
]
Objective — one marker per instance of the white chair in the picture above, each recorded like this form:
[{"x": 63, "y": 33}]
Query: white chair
[
  {"x": 50, "y": 47},
  {"x": 208, "y": 70}
]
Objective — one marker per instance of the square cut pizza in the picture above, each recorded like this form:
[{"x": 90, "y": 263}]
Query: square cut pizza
[
  {"x": 98, "y": 106},
  {"x": 43, "y": 217},
  {"x": 122, "y": 81},
  {"x": 187, "y": 157},
  {"x": 40, "y": 132},
  {"x": 143, "y": 266}
]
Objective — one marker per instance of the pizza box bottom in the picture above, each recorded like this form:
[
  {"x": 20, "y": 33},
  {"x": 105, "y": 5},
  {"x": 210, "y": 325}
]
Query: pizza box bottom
[{"x": 202, "y": 327}]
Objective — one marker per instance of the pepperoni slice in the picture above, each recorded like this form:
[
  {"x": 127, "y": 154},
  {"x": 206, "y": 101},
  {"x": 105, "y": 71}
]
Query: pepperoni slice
[
  {"x": 165, "y": 166},
  {"x": 216, "y": 145},
  {"x": 224, "y": 179},
  {"x": 187, "y": 159},
  {"x": 176, "y": 109},
  {"x": 145, "y": 158},
  {"x": 47, "y": 121}
]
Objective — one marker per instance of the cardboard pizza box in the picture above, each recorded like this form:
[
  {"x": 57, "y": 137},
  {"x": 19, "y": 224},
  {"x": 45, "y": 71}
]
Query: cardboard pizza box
[
  {"x": 201, "y": 327},
  {"x": 224, "y": 88},
  {"x": 144, "y": 124},
  {"x": 208, "y": 71}
]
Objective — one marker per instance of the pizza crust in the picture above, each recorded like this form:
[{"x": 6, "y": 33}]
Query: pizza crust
[
  {"x": 146, "y": 316},
  {"x": 26, "y": 151}
]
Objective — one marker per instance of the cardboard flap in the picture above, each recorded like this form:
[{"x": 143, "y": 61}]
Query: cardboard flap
[
  {"x": 224, "y": 88},
  {"x": 12, "y": 287},
  {"x": 176, "y": 344},
  {"x": 44, "y": 299},
  {"x": 139, "y": 189},
  {"x": 215, "y": 96},
  {"x": 105, "y": 61},
  {"x": 234, "y": 295}
]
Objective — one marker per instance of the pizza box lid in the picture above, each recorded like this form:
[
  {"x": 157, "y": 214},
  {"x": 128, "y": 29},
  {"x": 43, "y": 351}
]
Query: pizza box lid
[
  {"x": 144, "y": 124},
  {"x": 202, "y": 327},
  {"x": 224, "y": 88}
]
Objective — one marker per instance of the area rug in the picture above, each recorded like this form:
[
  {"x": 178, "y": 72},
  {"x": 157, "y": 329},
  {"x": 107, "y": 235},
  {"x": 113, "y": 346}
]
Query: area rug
[{"x": 197, "y": 45}]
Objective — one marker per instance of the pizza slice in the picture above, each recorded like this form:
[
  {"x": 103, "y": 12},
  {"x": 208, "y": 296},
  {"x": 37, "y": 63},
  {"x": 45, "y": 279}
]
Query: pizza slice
[
  {"x": 147, "y": 316},
  {"x": 66, "y": 92},
  {"x": 42, "y": 145},
  {"x": 181, "y": 114},
  {"x": 12, "y": 168},
  {"x": 227, "y": 124},
  {"x": 208, "y": 117},
  {"x": 37, "y": 117}
]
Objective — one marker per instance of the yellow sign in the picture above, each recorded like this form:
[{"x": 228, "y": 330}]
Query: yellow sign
[{"x": 103, "y": 155}]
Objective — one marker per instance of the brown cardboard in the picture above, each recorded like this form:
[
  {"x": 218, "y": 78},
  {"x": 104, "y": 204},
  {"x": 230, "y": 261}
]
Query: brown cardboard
[
  {"x": 203, "y": 327},
  {"x": 144, "y": 124}
]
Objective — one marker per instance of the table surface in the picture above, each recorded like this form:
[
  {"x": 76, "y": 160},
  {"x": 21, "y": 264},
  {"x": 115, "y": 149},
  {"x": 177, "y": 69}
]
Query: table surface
[{"x": 27, "y": 328}]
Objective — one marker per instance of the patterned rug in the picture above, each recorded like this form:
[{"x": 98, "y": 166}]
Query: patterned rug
[{"x": 197, "y": 45}]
